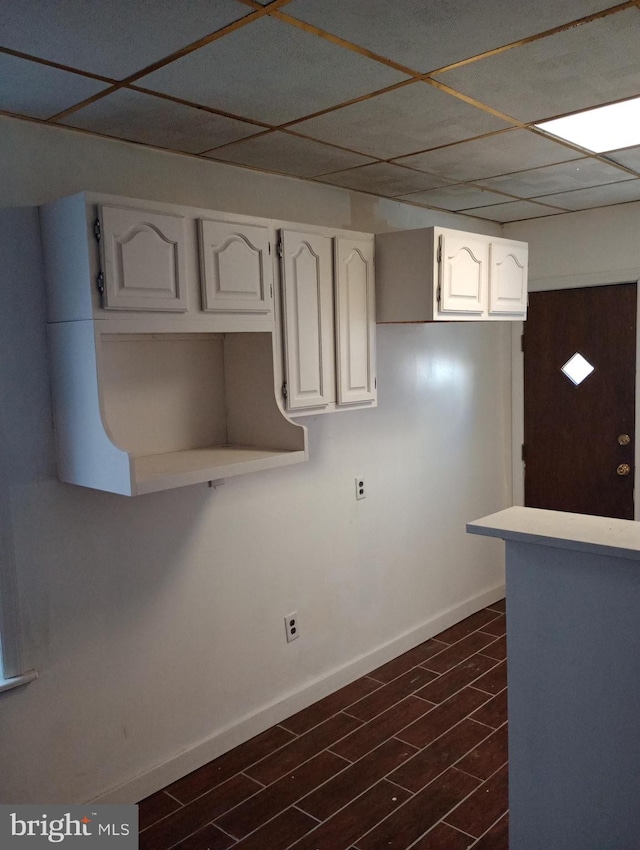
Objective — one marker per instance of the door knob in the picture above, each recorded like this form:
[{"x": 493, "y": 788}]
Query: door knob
[
  {"x": 623, "y": 469},
  {"x": 624, "y": 439}
]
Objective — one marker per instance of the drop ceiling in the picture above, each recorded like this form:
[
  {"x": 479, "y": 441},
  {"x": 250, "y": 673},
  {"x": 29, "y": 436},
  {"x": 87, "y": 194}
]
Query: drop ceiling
[{"x": 431, "y": 102}]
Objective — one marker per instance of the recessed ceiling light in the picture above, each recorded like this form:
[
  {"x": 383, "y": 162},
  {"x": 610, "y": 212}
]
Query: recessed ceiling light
[{"x": 606, "y": 128}]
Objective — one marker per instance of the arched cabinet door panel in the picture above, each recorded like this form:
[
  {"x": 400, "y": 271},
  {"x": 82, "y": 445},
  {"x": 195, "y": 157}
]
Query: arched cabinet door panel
[
  {"x": 355, "y": 321},
  {"x": 143, "y": 260},
  {"x": 236, "y": 267},
  {"x": 508, "y": 277},
  {"x": 307, "y": 291},
  {"x": 464, "y": 264}
]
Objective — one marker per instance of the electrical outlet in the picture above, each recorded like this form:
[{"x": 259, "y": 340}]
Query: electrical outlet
[
  {"x": 360, "y": 491},
  {"x": 291, "y": 626}
]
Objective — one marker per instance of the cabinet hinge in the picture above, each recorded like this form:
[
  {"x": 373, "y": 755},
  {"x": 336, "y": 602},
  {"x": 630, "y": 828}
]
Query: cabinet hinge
[
  {"x": 97, "y": 230},
  {"x": 100, "y": 283},
  {"x": 375, "y": 383},
  {"x": 271, "y": 289},
  {"x": 522, "y": 342},
  {"x": 439, "y": 249},
  {"x": 438, "y": 291},
  {"x": 280, "y": 249},
  {"x": 523, "y": 454},
  {"x": 285, "y": 391}
]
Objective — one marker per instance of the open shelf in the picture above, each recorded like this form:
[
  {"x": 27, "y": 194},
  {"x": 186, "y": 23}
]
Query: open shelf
[{"x": 193, "y": 466}]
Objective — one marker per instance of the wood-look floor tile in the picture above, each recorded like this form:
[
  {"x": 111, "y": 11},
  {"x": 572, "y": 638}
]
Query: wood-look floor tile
[
  {"x": 194, "y": 816},
  {"x": 462, "y": 674},
  {"x": 327, "y": 707},
  {"x": 409, "y": 823},
  {"x": 154, "y": 808},
  {"x": 299, "y": 750},
  {"x": 479, "y": 811},
  {"x": 390, "y": 694},
  {"x": 219, "y": 770},
  {"x": 346, "y": 786},
  {"x": 497, "y": 649},
  {"x": 279, "y": 833},
  {"x": 423, "y": 768},
  {"x": 460, "y": 651},
  {"x": 497, "y": 627},
  {"x": 494, "y": 712},
  {"x": 426, "y": 729},
  {"x": 349, "y": 823},
  {"x": 500, "y": 606},
  {"x": 465, "y": 627},
  {"x": 209, "y": 838},
  {"x": 281, "y": 794},
  {"x": 497, "y": 838},
  {"x": 488, "y": 756},
  {"x": 393, "y": 669},
  {"x": 494, "y": 681},
  {"x": 384, "y": 726},
  {"x": 443, "y": 837}
]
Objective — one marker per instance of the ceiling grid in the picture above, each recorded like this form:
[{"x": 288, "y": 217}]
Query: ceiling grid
[{"x": 434, "y": 104}]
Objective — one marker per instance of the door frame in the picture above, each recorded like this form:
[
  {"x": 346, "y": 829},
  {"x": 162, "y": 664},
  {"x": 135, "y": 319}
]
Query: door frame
[{"x": 517, "y": 391}]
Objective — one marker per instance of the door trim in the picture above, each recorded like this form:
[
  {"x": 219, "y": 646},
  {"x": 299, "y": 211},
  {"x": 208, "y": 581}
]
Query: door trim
[{"x": 517, "y": 396}]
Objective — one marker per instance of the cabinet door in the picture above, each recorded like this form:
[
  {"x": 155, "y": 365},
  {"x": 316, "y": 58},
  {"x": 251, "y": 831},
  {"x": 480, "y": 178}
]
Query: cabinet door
[
  {"x": 462, "y": 273},
  {"x": 508, "y": 278},
  {"x": 143, "y": 260},
  {"x": 236, "y": 267},
  {"x": 355, "y": 321},
  {"x": 307, "y": 290}
]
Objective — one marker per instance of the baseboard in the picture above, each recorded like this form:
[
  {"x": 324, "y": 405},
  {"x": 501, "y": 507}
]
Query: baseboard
[{"x": 247, "y": 727}]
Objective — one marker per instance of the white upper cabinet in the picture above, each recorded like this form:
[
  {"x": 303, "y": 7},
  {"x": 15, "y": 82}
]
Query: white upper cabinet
[
  {"x": 307, "y": 294},
  {"x": 236, "y": 267},
  {"x": 143, "y": 260},
  {"x": 437, "y": 274},
  {"x": 508, "y": 276},
  {"x": 328, "y": 320},
  {"x": 355, "y": 321}
]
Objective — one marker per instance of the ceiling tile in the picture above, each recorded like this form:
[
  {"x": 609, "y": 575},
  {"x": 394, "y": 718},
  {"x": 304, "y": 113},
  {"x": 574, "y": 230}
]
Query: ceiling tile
[
  {"x": 383, "y": 178},
  {"x": 40, "y": 91},
  {"x": 513, "y": 211},
  {"x": 455, "y": 197},
  {"x": 157, "y": 121},
  {"x": 272, "y": 72},
  {"x": 626, "y": 156},
  {"x": 410, "y": 118},
  {"x": 597, "y": 196},
  {"x": 563, "y": 177},
  {"x": 114, "y": 39},
  {"x": 289, "y": 154},
  {"x": 419, "y": 35},
  {"x": 579, "y": 67},
  {"x": 512, "y": 150}
]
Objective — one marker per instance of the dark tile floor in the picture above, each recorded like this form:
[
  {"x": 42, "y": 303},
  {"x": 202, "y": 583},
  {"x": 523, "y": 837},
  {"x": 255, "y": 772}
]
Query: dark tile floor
[{"x": 414, "y": 755}]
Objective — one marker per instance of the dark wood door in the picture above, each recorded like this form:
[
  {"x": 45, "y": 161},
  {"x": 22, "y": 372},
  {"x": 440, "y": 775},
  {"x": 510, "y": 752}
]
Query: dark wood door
[{"x": 574, "y": 443}]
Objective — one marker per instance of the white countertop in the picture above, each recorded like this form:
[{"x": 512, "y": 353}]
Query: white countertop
[{"x": 618, "y": 538}]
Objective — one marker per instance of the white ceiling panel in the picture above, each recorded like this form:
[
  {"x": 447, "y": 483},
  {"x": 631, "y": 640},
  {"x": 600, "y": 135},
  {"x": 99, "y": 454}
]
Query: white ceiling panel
[
  {"x": 627, "y": 156},
  {"x": 455, "y": 198},
  {"x": 597, "y": 196},
  {"x": 271, "y": 72},
  {"x": 40, "y": 91},
  {"x": 572, "y": 70},
  {"x": 384, "y": 178},
  {"x": 512, "y": 150},
  {"x": 411, "y": 118},
  {"x": 418, "y": 34},
  {"x": 157, "y": 121},
  {"x": 114, "y": 38},
  {"x": 289, "y": 154},
  {"x": 564, "y": 177},
  {"x": 513, "y": 211}
]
